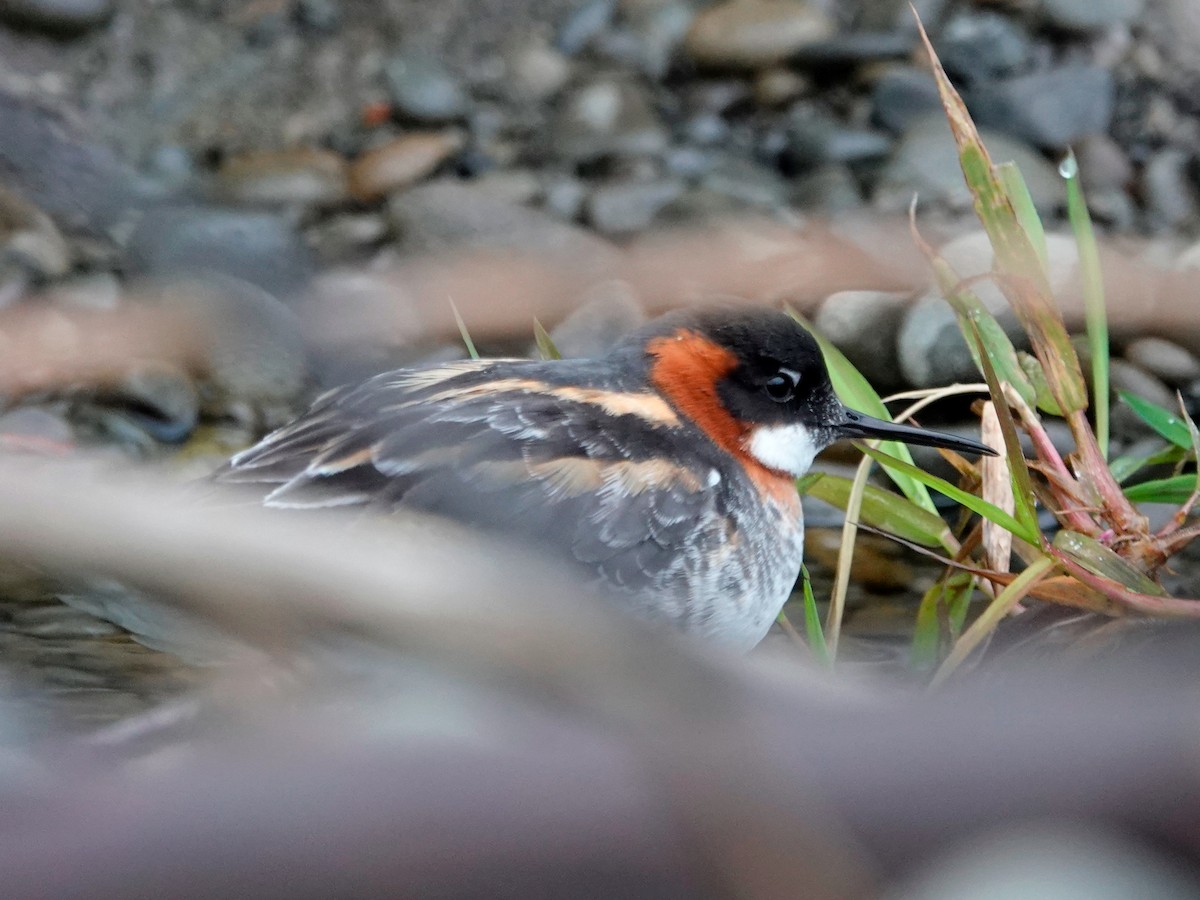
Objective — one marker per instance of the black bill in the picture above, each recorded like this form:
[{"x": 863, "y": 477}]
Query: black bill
[{"x": 857, "y": 425}]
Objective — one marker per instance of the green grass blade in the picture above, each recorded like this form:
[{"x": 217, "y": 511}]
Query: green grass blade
[
  {"x": 545, "y": 343},
  {"x": 880, "y": 509},
  {"x": 1022, "y": 202},
  {"x": 989, "y": 511},
  {"x": 1168, "y": 424},
  {"x": 462, "y": 330},
  {"x": 812, "y": 622},
  {"x": 1100, "y": 560},
  {"x": 857, "y": 393},
  {"x": 1093, "y": 295},
  {"x": 947, "y": 601},
  {"x": 1125, "y": 467},
  {"x": 1162, "y": 490}
]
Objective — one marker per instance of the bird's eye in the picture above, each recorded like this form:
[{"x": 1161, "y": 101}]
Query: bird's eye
[{"x": 781, "y": 386}]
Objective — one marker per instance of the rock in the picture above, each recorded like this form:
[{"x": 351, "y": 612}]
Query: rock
[
  {"x": 865, "y": 325},
  {"x": 829, "y": 189},
  {"x": 322, "y": 16},
  {"x": 931, "y": 349},
  {"x": 778, "y": 86},
  {"x": 1089, "y": 15},
  {"x": 901, "y": 96},
  {"x": 1128, "y": 378},
  {"x": 754, "y": 34},
  {"x": 401, "y": 162},
  {"x": 1169, "y": 195},
  {"x": 442, "y": 215},
  {"x": 254, "y": 354},
  {"x": 630, "y": 206},
  {"x": 657, "y": 30},
  {"x": 535, "y": 70},
  {"x": 607, "y": 116},
  {"x": 1049, "y": 109},
  {"x": 302, "y": 177},
  {"x": 976, "y": 45},
  {"x": 584, "y": 24},
  {"x": 64, "y": 17},
  {"x": 854, "y": 48},
  {"x": 607, "y": 313},
  {"x": 1164, "y": 359},
  {"x": 99, "y": 291},
  {"x": 813, "y": 142},
  {"x": 926, "y": 161},
  {"x": 346, "y": 235},
  {"x": 29, "y": 239},
  {"x": 749, "y": 184},
  {"x": 1103, "y": 163},
  {"x": 151, "y": 403},
  {"x": 564, "y": 196},
  {"x": 257, "y": 247},
  {"x": 421, "y": 88}
]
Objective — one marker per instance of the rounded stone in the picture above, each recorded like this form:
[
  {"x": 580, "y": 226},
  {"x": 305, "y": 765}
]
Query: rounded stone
[
  {"x": 865, "y": 326},
  {"x": 401, "y": 162},
  {"x": 754, "y": 34},
  {"x": 1164, "y": 359},
  {"x": 423, "y": 89},
  {"x": 66, "y": 17},
  {"x": 303, "y": 176}
]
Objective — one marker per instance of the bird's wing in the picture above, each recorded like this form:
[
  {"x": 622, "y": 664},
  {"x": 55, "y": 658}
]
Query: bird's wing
[{"x": 614, "y": 477}]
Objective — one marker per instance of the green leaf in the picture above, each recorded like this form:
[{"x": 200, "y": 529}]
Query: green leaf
[
  {"x": 881, "y": 509},
  {"x": 1124, "y": 467},
  {"x": 1162, "y": 490},
  {"x": 545, "y": 343},
  {"x": 1168, "y": 424},
  {"x": 812, "y": 622},
  {"x": 945, "y": 602},
  {"x": 1093, "y": 295},
  {"x": 1103, "y": 561},
  {"x": 1022, "y": 202},
  {"x": 857, "y": 393},
  {"x": 976, "y": 504}
]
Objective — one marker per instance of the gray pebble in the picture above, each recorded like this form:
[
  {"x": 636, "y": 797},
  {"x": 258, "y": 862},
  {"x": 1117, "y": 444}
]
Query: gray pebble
[
  {"x": 1049, "y": 109},
  {"x": 257, "y": 247},
  {"x": 606, "y": 116},
  {"x": 1126, "y": 377},
  {"x": 630, "y": 206},
  {"x": 932, "y": 351},
  {"x": 901, "y": 96},
  {"x": 829, "y": 189},
  {"x": 1169, "y": 195},
  {"x": 607, "y": 313},
  {"x": 1164, "y": 359},
  {"x": 754, "y": 34},
  {"x": 1089, "y": 15},
  {"x": 423, "y": 89},
  {"x": 855, "y": 47},
  {"x": 584, "y": 24},
  {"x": 747, "y": 183},
  {"x": 864, "y": 325},
  {"x": 926, "y": 161},
  {"x": 980, "y": 44},
  {"x": 67, "y": 17}
]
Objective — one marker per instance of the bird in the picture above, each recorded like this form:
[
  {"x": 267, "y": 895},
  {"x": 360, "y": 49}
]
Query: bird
[{"x": 664, "y": 471}]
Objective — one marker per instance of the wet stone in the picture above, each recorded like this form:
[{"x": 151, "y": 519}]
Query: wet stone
[
  {"x": 607, "y": 313},
  {"x": 754, "y": 34},
  {"x": 1089, "y": 15},
  {"x": 258, "y": 247},
  {"x": 303, "y": 177},
  {"x": 423, "y": 89},
  {"x": 1164, "y": 359},
  {"x": 631, "y": 206},
  {"x": 1128, "y": 378},
  {"x": 401, "y": 162},
  {"x": 61, "y": 17},
  {"x": 1171, "y": 199},
  {"x": 901, "y": 96},
  {"x": 607, "y": 116},
  {"x": 1050, "y": 109},
  {"x": 865, "y": 325},
  {"x": 978, "y": 45}
]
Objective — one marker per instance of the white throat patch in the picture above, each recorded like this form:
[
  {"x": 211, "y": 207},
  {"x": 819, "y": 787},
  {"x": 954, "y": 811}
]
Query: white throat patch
[{"x": 785, "y": 448}]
